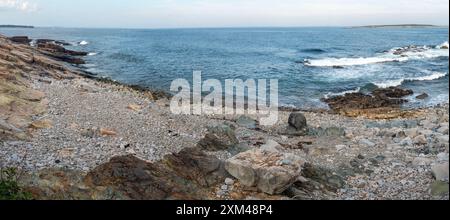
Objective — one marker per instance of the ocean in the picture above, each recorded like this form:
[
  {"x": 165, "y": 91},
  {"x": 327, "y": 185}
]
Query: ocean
[{"x": 310, "y": 63}]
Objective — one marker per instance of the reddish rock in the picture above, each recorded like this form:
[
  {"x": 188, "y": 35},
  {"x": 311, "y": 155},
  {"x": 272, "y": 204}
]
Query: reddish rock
[
  {"x": 189, "y": 174},
  {"x": 380, "y": 98}
]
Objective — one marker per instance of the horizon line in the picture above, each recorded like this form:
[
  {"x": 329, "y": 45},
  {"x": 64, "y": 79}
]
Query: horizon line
[{"x": 243, "y": 27}]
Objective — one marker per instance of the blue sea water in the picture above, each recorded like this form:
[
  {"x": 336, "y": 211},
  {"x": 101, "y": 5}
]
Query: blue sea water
[{"x": 310, "y": 63}]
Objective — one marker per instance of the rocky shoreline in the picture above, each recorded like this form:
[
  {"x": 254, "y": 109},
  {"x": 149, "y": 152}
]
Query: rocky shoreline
[{"x": 84, "y": 138}]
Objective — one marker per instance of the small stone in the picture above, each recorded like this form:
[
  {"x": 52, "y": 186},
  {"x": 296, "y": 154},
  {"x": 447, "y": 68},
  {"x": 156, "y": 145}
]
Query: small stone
[
  {"x": 41, "y": 124},
  {"x": 107, "y": 132},
  {"x": 406, "y": 142},
  {"x": 229, "y": 181},
  {"x": 224, "y": 187},
  {"x": 89, "y": 133},
  {"x": 367, "y": 143},
  {"x": 420, "y": 140},
  {"x": 134, "y": 107},
  {"x": 340, "y": 147},
  {"x": 271, "y": 146}
]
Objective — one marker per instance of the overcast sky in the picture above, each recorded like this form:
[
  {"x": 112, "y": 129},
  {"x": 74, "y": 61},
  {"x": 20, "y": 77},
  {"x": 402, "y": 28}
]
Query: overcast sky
[{"x": 221, "y": 13}]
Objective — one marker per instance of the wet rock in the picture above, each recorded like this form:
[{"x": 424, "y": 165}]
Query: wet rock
[
  {"x": 55, "y": 48},
  {"x": 422, "y": 96},
  {"x": 380, "y": 98},
  {"x": 392, "y": 92},
  {"x": 45, "y": 41},
  {"x": 20, "y": 40},
  {"x": 60, "y": 53},
  {"x": 221, "y": 137},
  {"x": 271, "y": 173}
]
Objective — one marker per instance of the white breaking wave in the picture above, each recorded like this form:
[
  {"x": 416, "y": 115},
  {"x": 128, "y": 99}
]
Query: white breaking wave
[
  {"x": 443, "y": 45},
  {"x": 398, "y": 82},
  {"x": 92, "y": 54},
  {"x": 394, "y": 55},
  {"x": 331, "y": 94},
  {"x": 331, "y": 62},
  {"x": 83, "y": 43}
]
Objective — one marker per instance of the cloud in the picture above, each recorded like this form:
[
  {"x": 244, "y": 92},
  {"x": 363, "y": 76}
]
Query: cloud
[{"x": 21, "y": 5}]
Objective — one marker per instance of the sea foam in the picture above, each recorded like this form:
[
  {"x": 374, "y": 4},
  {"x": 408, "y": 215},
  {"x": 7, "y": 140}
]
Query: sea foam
[
  {"x": 393, "y": 55},
  {"x": 398, "y": 82},
  {"x": 83, "y": 43}
]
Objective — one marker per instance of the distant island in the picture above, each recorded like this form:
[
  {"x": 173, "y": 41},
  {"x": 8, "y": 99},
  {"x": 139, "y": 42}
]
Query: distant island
[
  {"x": 397, "y": 26},
  {"x": 15, "y": 26}
]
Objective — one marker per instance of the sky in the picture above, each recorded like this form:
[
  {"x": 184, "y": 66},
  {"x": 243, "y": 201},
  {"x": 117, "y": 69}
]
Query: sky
[{"x": 221, "y": 13}]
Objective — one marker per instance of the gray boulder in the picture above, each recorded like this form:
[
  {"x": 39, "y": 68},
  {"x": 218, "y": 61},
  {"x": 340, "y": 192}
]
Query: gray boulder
[{"x": 270, "y": 172}]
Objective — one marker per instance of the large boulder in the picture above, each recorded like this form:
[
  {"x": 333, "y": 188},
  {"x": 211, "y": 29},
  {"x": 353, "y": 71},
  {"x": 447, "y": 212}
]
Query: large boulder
[
  {"x": 298, "y": 121},
  {"x": 270, "y": 172},
  {"x": 440, "y": 171},
  {"x": 220, "y": 137}
]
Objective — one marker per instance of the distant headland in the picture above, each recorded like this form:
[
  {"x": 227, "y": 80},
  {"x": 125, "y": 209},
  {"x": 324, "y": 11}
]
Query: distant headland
[
  {"x": 15, "y": 26},
  {"x": 397, "y": 26}
]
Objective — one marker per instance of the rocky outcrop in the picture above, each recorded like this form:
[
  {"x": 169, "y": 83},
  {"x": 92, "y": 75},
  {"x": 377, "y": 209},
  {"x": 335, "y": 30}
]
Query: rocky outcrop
[
  {"x": 422, "y": 96},
  {"x": 44, "y": 41},
  {"x": 58, "y": 52},
  {"x": 380, "y": 101},
  {"x": 188, "y": 175},
  {"x": 20, "y": 40},
  {"x": 18, "y": 101}
]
